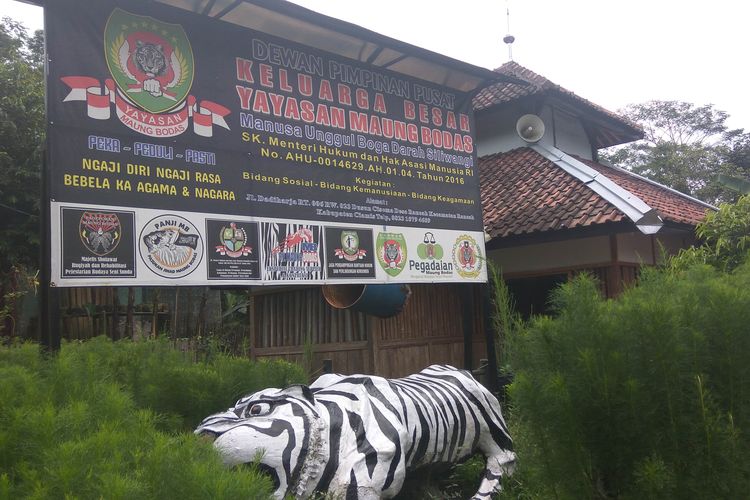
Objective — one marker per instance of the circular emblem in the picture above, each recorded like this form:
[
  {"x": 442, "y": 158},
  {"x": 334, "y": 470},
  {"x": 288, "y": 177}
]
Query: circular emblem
[
  {"x": 171, "y": 246},
  {"x": 467, "y": 257},
  {"x": 99, "y": 232}
]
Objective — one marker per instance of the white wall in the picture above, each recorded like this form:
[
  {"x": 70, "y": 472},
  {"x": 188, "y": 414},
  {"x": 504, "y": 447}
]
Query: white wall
[
  {"x": 635, "y": 248},
  {"x": 553, "y": 255}
]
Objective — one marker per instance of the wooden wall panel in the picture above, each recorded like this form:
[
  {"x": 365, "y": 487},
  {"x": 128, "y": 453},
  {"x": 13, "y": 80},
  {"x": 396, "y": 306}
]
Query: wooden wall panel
[
  {"x": 428, "y": 331},
  {"x": 400, "y": 361},
  {"x": 448, "y": 353},
  {"x": 347, "y": 358},
  {"x": 433, "y": 310},
  {"x": 290, "y": 318}
]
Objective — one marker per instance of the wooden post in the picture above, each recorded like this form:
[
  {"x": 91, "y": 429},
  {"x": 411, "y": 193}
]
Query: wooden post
[
  {"x": 129, "y": 327},
  {"x": 154, "y": 313},
  {"x": 373, "y": 325},
  {"x": 201, "y": 323},
  {"x": 490, "y": 336},
  {"x": 614, "y": 275},
  {"x": 116, "y": 334},
  {"x": 467, "y": 315},
  {"x": 251, "y": 330},
  {"x": 173, "y": 331}
]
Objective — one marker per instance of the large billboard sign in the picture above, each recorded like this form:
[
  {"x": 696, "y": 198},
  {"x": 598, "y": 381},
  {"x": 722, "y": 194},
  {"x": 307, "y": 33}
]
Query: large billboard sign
[{"x": 184, "y": 150}]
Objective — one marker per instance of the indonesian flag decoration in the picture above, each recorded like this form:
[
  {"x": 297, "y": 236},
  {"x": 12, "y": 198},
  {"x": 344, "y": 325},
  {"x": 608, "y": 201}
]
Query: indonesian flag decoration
[{"x": 152, "y": 69}]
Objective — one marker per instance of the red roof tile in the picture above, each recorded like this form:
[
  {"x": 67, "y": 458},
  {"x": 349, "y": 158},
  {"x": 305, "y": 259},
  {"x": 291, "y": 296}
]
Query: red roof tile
[
  {"x": 524, "y": 193},
  {"x": 671, "y": 206}
]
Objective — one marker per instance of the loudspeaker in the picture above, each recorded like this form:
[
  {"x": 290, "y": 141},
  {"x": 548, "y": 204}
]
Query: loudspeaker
[{"x": 530, "y": 128}]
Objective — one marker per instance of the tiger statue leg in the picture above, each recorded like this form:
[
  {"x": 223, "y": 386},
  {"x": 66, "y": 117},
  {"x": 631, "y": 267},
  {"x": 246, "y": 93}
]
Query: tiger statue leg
[
  {"x": 372, "y": 463},
  {"x": 501, "y": 461}
]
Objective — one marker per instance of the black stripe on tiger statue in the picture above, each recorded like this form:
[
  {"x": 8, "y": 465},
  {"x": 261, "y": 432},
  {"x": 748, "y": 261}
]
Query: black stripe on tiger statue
[{"x": 358, "y": 436}]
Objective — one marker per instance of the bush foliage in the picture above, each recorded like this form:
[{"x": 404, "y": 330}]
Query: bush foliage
[
  {"x": 647, "y": 396},
  {"x": 113, "y": 420}
]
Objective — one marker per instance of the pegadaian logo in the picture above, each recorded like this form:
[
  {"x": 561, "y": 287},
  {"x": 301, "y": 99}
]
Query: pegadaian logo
[
  {"x": 429, "y": 249},
  {"x": 152, "y": 69},
  {"x": 429, "y": 262}
]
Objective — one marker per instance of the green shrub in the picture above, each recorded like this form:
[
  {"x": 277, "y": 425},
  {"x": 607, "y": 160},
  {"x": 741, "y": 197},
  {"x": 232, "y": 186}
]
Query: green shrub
[
  {"x": 647, "y": 396},
  {"x": 725, "y": 234},
  {"x": 166, "y": 380},
  {"x": 113, "y": 420}
]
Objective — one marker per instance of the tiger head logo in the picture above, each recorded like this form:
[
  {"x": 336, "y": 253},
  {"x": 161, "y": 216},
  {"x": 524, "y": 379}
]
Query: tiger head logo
[
  {"x": 149, "y": 58},
  {"x": 392, "y": 250}
]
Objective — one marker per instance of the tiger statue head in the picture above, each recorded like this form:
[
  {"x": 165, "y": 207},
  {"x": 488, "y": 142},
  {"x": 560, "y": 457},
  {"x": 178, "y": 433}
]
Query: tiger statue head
[
  {"x": 149, "y": 58},
  {"x": 279, "y": 429}
]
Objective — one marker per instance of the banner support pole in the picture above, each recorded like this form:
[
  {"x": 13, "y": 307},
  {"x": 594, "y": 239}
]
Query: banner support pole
[{"x": 49, "y": 300}]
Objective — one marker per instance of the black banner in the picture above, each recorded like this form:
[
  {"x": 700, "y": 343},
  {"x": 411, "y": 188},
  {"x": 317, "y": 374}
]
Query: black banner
[{"x": 155, "y": 108}]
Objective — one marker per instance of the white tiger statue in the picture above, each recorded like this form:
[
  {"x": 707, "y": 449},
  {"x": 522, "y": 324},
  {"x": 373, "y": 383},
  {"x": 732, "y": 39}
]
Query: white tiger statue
[{"x": 358, "y": 436}]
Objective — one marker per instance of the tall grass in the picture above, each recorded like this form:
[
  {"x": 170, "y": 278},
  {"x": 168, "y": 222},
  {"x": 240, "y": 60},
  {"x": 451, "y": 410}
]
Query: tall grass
[
  {"x": 647, "y": 396},
  {"x": 113, "y": 420}
]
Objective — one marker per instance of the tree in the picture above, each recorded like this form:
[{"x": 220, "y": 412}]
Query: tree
[
  {"x": 21, "y": 143},
  {"x": 685, "y": 147},
  {"x": 21, "y": 152},
  {"x": 726, "y": 238}
]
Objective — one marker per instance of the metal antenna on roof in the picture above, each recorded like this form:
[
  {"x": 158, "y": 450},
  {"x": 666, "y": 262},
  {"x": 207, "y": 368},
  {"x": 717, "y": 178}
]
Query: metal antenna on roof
[{"x": 509, "y": 39}]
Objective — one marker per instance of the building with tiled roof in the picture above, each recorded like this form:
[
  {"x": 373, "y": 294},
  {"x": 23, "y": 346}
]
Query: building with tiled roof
[{"x": 551, "y": 209}]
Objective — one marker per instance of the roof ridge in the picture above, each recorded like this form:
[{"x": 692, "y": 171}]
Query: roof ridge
[
  {"x": 519, "y": 71},
  {"x": 542, "y": 83}
]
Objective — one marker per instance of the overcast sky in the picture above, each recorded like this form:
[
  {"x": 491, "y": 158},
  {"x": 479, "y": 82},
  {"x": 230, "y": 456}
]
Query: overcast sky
[{"x": 608, "y": 51}]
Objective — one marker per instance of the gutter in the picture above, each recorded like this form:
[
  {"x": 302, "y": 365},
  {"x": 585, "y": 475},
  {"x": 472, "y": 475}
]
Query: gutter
[{"x": 645, "y": 218}]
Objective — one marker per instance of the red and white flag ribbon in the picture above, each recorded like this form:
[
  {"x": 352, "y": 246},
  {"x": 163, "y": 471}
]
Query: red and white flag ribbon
[{"x": 99, "y": 101}]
